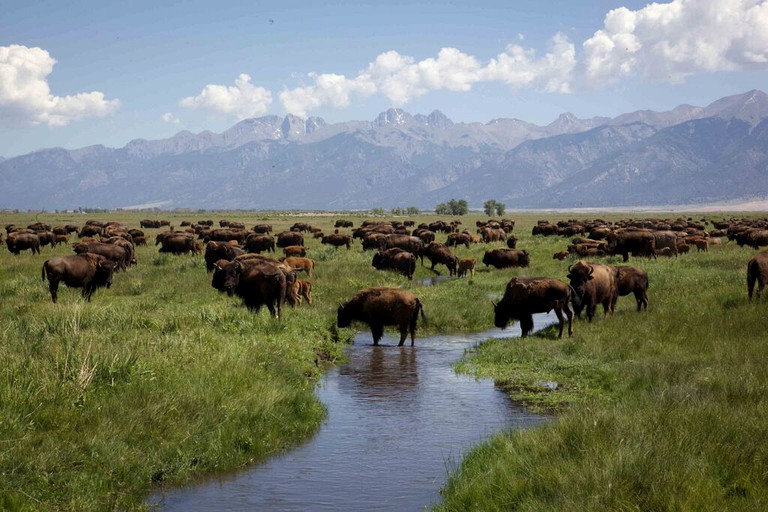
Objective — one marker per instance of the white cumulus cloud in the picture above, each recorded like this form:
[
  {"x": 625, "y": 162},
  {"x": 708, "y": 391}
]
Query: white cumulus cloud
[
  {"x": 170, "y": 118},
  {"x": 26, "y": 98},
  {"x": 242, "y": 100},
  {"x": 329, "y": 90},
  {"x": 673, "y": 40}
]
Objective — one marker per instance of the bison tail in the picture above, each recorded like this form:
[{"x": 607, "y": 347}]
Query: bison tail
[
  {"x": 43, "y": 271},
  {"x": 421, "y": 312}
]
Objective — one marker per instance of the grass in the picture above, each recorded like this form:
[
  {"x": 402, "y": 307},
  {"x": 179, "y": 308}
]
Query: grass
[
  {"x": 161, "y": 379},
  {"x": 660, "y": 410}
]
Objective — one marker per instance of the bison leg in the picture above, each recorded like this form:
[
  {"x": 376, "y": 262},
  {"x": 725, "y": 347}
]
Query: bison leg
[
  {"x": 403, "y": 335},
  {"x": 526, "y": 324},
  {"x": 87, "y": 292},
  {"x": 377, "y": 330},
  {"x": 53, "y": 287},
  {"x": 750, "y": 284},
  {"x": 642, "y": 299}
]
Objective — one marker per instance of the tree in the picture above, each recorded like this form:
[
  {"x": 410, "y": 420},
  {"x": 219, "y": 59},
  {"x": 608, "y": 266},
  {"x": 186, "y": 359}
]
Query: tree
[
  {"x": 491, "y": 207},
  {"x": 412, "y": 210},
  {"x": 452, "y": 207}
]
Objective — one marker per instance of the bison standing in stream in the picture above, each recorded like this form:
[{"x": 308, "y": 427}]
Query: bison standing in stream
[
  {"x": 383, "y": 306},
  {"x": 527, "y": 295},
  {"x": 87, "y": 271}
]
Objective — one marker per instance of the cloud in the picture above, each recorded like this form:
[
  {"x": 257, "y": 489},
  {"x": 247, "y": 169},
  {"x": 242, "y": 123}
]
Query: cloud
[
  {"x": 170, "y": 118},
  {"x": 243, "y": 100},
  {"x": 329, "y": 90},
  {"x": 677, "y": 39},
  {"x": 661, "y": 41},
  {"x": 25, "y": 97}
]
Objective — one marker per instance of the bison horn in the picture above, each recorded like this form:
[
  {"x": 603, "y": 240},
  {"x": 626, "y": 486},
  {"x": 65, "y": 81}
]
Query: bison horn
[
  {"x": 569, "y": 268},
  {"x": 591, "y": 269}
]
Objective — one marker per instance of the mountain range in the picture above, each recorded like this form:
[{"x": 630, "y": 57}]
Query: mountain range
[{"x": 688, "y": 155}]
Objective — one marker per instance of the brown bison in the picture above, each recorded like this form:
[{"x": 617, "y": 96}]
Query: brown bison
[
  {"x": 22, "y": 242},
  {"x": 215, "y": 251},
  {"x": 87, "y": 271},
  {"x": 337, "y": 240},
  {"x": 295, "y": 250},
  {"x": 303, "y": 288},
  {"x": 382, "y": 306},
  {"x": 757, "y": 272},
  {"x": 119, "y": 255},
  {"x": 638, "y": 242},
  {"x": 179, "y": 244},
  {"x": 256, "y": 282},
  {"x": 504, "y": 258},
  {"x": 287, "y": 238},
  {"x": 439, "y": 253},
  {"x": 259, "y": 243},
  {"x": 633, "y": 280},
  {"x": 299, "y": 264},
  {"x": 467, "y": 265},
  {"x": 593, "y": 284},
  {"x": 524, "y": 296},
  {"x": 395, "y": 259}
]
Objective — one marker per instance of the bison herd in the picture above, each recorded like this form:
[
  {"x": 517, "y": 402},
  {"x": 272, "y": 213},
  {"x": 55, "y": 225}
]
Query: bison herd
[{"x": 237, "y": 258}]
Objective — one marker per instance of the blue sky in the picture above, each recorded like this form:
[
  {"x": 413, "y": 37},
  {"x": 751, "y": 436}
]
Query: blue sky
[{"x": 78, "y": 73}]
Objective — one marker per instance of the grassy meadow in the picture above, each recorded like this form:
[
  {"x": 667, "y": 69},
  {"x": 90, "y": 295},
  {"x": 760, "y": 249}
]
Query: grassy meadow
[{"x": 161, "y": 379}]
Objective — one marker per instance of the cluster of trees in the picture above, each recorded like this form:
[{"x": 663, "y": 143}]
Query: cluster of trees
[
  {"x": 460, "y": 207},
  {"x": 452, "y": 207}
]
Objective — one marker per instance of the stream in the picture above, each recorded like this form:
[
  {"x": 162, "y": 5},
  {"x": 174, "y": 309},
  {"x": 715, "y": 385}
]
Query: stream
[{"x": 399, "y": 421}]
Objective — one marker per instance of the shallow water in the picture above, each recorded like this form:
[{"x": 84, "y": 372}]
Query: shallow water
[{"x": 399, "y": 419}]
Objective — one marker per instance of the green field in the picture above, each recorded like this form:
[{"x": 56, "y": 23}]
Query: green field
[{"x": 161, "y": 379}]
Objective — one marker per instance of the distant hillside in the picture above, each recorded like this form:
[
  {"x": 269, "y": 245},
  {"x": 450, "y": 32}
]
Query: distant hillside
[{"x": 685, "y": 156}]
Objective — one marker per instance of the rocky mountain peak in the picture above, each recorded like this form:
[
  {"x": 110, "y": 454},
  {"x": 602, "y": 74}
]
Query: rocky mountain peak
[{"x": 393, "y": 117}]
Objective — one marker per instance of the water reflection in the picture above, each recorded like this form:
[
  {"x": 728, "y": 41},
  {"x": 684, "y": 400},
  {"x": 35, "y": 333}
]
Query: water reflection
[{"x": 399, "y": 418}]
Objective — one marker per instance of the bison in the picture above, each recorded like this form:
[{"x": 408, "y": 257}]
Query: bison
[
  {"x": 439, "y": 253},
  {"x": 395, "y": 259},
  {"x": 633, "y": 280},
  {"x": 298, "y": 264},
  {"x": 87, "y": 271},
  {"x": 337, "y": 240},
  {"x": 593, "y": 284},
  {"x": 256, "y": 282},
  {"x": 503, "y": 258},
  {"x": 757, "y": 271},
  {"x": 467, "y": 265},
  {"x": 215, "y": 251},
  {"x": 524, "y": 296},
  {"x": 23, "y": 242},
  {"x": 383, "y": 306},
  {"x": 287, "y": 238}
]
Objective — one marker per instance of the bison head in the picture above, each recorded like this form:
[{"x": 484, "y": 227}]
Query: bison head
[
  {"x": 226, "y": 276},
  {"x": 579, "y": 274},
  {"x": 344, "y": 316},
  {"x": 105, "y": 269}
]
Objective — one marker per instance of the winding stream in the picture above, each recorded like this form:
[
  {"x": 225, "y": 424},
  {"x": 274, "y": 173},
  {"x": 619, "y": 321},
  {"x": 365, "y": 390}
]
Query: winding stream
[{"x": 399, "y": 420}]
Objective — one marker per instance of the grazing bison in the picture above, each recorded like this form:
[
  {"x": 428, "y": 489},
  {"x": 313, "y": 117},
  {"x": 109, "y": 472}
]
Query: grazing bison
[
  {"x": 395, "y": 259},
  {"x": 119, "y": 255},
  {"x": 757, "y": 271},
  {"x": 303, "y": 288},
  {"x": 593, "y": 284},
  {"x": 23, "y": 242},
  {"x": 383, "y": 306},
  {"x": 337, "y": 240},
  {"x": 639, "y": 242},
  {"x": 256, "y": 282},
  {"x": 215, "y": 251},
  {"x": 633, "y": 280},
  {"x": 504, "y": 258},
  {"x": 467, "y": 265},
  {"x": 179, "y": 244},
  {"x": 524, "y": 296},
  {"x": 87, "y": 271},
  {"x": 439, "y": 253}
]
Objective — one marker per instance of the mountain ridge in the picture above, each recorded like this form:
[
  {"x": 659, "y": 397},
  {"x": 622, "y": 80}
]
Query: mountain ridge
[{"x": 401, "y": 159}]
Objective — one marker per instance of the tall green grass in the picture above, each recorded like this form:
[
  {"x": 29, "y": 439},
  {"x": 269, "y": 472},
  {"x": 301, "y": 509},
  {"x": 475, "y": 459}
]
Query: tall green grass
[
  {"x": 659, "y": 410},
  {"x": 161, "y": 379}
]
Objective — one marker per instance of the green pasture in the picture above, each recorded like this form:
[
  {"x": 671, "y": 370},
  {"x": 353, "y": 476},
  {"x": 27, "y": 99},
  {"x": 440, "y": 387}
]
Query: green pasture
[{"x": 161, "y": 379}]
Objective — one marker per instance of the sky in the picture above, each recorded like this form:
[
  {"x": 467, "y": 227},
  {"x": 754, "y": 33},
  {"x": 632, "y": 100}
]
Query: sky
[{"x": 79, "y": 73}]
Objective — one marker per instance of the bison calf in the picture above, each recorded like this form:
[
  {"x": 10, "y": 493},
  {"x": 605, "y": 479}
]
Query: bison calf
[{"x": 383, "y": 306}]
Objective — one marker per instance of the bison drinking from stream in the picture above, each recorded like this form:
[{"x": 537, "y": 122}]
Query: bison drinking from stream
[{"x": 383, "y": 306}]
